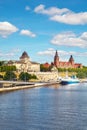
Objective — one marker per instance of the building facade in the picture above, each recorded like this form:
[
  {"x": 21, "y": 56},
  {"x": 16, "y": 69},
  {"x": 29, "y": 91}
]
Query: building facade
[
  {"x": 63, "y": 64},
  {"x": 69, "y": 64},
  {"x": 24, "y": 64}
]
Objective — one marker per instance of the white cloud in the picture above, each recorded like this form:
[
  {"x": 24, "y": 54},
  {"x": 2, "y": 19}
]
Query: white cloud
[
  {"x": 6, "y": 29},
  {"x": 50, "y": 11},
  {"x": 84, "y": 36},
  {"x": 70, "y": 39},
  {"x": 39, "y": 9},
  {"x": 27, "y": 8},
  {"x": 49, "y": 52},
  {"x": 63, "y": 15},
  {"x": 27, "y": 33},
  {"x": 63, "y": 55},
  {"x": 71, "y": 18},
  {"x": 10, "y": 55}
]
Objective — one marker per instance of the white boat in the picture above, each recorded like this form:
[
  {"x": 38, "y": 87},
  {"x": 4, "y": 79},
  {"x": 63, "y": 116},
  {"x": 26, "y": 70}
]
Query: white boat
[{"x": 69, "y": 80}]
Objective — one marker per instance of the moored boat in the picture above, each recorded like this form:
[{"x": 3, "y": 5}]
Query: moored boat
[{"x": 69, "y": 80}]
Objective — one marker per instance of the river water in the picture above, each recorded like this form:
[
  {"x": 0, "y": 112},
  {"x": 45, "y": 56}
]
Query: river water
[{"x": 45, "y": 108}]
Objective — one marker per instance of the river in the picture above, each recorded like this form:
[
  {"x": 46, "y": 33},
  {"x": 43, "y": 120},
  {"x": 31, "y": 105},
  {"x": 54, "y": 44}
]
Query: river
[{"x": 45, "y": 108}]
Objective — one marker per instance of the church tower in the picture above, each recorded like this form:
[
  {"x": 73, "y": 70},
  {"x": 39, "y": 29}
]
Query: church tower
[
  {"x": 71, "y": 60},
  {"x": 56, "y": 59}
]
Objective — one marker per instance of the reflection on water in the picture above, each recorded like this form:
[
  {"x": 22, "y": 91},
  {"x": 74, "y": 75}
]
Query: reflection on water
[{"x": 45, "y": 108}]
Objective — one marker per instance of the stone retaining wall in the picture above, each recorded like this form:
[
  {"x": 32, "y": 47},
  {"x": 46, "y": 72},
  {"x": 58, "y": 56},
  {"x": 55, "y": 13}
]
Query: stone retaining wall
[{"x": 46, "y": 76}]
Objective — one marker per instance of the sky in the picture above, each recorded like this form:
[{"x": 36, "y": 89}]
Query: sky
[{"x": 40, "y": 27}]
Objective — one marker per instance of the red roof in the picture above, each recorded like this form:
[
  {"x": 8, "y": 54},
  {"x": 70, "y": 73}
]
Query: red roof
[{"x": 46, "y": 65}]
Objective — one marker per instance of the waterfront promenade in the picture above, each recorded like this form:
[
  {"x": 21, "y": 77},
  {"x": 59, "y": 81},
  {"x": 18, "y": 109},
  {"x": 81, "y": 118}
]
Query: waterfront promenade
[
  {"x": 6, "y": 86},
  {"x": 17, "y": 85}
]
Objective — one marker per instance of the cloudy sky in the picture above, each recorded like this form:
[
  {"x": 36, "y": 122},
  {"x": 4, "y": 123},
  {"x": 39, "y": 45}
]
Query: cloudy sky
[{"x": 40, "y": 27}]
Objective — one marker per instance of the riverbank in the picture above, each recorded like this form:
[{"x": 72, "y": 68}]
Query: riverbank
[
  {"x": 19, "y": 87},
  {"x": 35, "y": 84}
]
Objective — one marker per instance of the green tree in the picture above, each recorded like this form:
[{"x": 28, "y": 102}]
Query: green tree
[
  {"x": 24, "y": 76},
  {"x": 81, "y": 74},
  {"x": 33, "y": 76},
  {"x": 7, "y": 68},
  {"x": 9, "y": 75},
  {"x": 1, "y": 63}
]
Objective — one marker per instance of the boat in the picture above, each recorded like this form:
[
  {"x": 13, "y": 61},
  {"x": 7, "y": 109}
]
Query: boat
[{"x": 69, "y": 80}]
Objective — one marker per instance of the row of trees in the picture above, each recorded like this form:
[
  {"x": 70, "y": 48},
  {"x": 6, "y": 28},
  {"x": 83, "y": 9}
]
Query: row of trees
[
  {"x": 24, "y": 76},
  {"x": 4, "y": 67},
  {"x": 44, "y": 69},
  {"x": 80, "y": 72},
  {"x": 7, "y": 68}
]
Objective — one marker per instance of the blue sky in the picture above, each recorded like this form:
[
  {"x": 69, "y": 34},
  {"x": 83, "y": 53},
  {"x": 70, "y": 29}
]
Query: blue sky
[{"x": 40, "y": 27}]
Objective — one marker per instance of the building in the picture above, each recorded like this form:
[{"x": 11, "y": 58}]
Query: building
[
  {"x": 63, "y": 64},
  {"x": 25, "y": 65},
  {"x": 46, "y": 65},
  {"x": 69, "y": 64}
]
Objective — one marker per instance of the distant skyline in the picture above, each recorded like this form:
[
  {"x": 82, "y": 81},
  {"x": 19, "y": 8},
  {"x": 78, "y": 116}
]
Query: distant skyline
[{"x": 41, "y": 27}]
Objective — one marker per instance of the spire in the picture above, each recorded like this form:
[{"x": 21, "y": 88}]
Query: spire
[
  {"x": 56, "y": 59},
  {"x": 71, "y": 59},
  {"x": 56, "y": 54}
]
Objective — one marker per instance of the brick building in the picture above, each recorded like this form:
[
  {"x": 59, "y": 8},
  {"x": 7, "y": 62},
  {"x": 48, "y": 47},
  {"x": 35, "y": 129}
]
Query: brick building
[
  {"x": 68, "y": 64},
  {"x": 63, "y": 64}
]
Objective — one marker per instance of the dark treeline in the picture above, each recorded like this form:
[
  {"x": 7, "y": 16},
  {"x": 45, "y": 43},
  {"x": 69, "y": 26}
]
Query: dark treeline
[{"x": 23, "y": 76}]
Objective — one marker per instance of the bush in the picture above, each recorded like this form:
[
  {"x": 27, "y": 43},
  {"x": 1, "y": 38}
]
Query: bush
[
  {"x": 1, "y": 76},
  {"x": 33, "y": 76},
  {"x": 82, "y": 74},
  {"x": 26, "y": 76},
  {"x": 2, "y": 63},
  {"x": 9, "y": 75}
]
